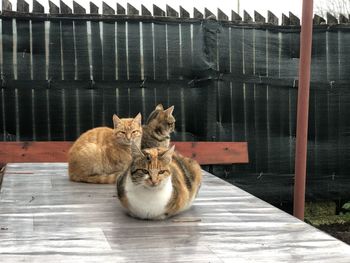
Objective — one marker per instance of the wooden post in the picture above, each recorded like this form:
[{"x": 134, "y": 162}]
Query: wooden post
[{"x": 303, "y": 109}]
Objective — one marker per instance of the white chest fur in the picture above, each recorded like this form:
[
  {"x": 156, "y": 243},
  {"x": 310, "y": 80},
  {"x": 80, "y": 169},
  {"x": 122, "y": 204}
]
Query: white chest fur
[{"x": 148, "y": 203}]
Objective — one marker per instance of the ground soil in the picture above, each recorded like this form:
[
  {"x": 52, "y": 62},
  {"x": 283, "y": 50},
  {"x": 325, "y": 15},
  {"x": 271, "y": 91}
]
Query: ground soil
[{"x": 339, "y": 231}]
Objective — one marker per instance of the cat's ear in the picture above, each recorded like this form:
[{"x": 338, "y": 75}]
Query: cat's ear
[
  {"x": 116, "y": 121},
  {"x": 169, "y": 110},
  {"x": 136, "y": 151},
  {"x": 168, "y": 154},
  {"x": 159, "y": 107},
  {"x": 138, "y": 118}
]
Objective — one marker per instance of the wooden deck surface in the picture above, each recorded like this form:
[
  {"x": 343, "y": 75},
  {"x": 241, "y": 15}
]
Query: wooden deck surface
[{"x": 46, "y": 218}]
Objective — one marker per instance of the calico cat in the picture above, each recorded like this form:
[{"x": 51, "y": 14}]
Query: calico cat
[
  {"x": 160, "y": 124},
  {"x": 160, "y": 183},
  {"x": 101, "y": 154}
]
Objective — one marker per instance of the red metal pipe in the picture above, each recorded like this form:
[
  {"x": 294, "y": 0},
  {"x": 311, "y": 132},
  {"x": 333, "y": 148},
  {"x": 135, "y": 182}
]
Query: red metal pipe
[{"x": 303, "y": 109}]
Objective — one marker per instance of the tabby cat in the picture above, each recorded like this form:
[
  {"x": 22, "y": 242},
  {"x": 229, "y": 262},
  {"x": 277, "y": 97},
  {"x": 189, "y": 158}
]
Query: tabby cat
[
  {"x": 101, "y": 154},
  {"x": 160, "y": 183},
  {"x": 160, "y": 124}
]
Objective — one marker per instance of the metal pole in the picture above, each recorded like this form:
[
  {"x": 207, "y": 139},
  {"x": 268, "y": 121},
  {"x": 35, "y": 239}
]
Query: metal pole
[{"x": 303, "y": 109}]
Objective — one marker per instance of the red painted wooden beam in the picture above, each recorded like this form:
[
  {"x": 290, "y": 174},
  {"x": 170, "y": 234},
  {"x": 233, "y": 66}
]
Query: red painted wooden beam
[
  {"x": 203, "y": 152},
  {"x": 303, "y": 109}
]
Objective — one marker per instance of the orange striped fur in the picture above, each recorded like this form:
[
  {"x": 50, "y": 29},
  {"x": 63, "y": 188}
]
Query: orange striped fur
[
  {"x": 160, "y": 183},
  {"x": 101, "y": 154}
]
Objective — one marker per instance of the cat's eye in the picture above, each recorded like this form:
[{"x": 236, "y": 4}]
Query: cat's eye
[
  {"x": 134, "y": 132},
  {"x": 145, "y": 171},
  {"x": 122, "y": 132},
  {"x": 161, "y": 171}
]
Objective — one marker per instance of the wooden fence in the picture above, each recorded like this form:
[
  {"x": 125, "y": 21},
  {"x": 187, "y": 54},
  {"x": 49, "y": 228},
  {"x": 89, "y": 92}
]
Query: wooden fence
[{"x": 229, "y": 79}]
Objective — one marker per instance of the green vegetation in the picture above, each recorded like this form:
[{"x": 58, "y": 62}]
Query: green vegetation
[{"x": 324, "y": 213}]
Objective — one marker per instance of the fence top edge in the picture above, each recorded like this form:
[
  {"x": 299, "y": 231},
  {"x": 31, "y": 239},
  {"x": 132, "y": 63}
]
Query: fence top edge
[
  {"x": 5, "y": 14},
  {"x": 138, "y": 18}
]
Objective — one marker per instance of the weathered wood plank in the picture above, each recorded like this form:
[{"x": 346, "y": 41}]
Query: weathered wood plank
[
  {"x": 145, "y": 11},
  {"x": 37, "y": 7},
  {"x": 131, "y": 10},
  {"x": 171, "y": 11},
  {"x": 235, "y": 17},
  {"x": 272, "y": 18},
  {"x": 157, "y": 11},
  {"x": 120, "y": 9},
  {"x": 197, "y": 14},
  {"x": 53, "y": 9},
  {"x": 23, "y": 50},
  {"x": 22, "y": 6},
  {"x": 93, "y": 8},
  {"x": 203, "y": 152},
  {"x": 246, "y": 17},
  {"x": 222, "y": 15},
  {"x": 6, "y": 5},
  {"x": 7, "y": 48},
  {"x": 184, "y": 13}
]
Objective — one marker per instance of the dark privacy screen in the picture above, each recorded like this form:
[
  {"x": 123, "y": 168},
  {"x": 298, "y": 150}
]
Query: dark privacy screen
[{"x": 228, "y": 82}]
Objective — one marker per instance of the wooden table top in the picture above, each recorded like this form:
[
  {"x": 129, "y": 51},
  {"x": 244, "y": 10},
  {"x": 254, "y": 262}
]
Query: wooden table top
[{"x": 46, "y": 218}]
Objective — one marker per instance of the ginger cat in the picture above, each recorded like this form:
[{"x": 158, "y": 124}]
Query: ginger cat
[
  {"x": 101, "y": 154},
  {"x": 160, "y": 183},
  {"x": 160, "y": 124}
]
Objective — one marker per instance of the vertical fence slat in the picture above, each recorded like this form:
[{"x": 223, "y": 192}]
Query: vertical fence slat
[
  {"x": 10, "y": 111},
  {"x": 3, "y": 115},
  {"x": 7, "y": 48},
  {"x": 287, "y": 100},
  {"x": 236, "y": 68},
  {"x": 333, "y": 74},
  {"x": 41, "y": 114},
  {"x": 260, "y": 94},
  {"x": 344, "y": 121},
  {"x": 236, "y": 51},
  {"x": 275, "y": 136},
  {"x": 108, "y": 45},
  {"x": 83, "y": 69},
  {"x": 109, "y": 50},
  {"x": 223, "y": 50},
  {"x": 81, "y": 44},
  {"x": 249, "y": 89},
  {"x": 173, "y": 44},
  {"x": 38, "y": 52},
  {"x": 25, "y": 113},
  {"x": 23, "y": 43},
  {"x": 84, "y": 114},
  {"x": 147, "y": 44},
  {"x": 68, "y": 50},
  {"x": 134, "y": 57},
  {"x": 23, "y": 49},
  {"x": 121, "y": 51},
  {"x": 71, "y": 113},
  {"x": 160, "y": 51},
  {"x": 96, "y": 51},
  {"x": 319, "y": 103},
  {"x": 55, "y": 69},
  {"x": 186, "y": 52},
  {"x": 56, "y": 114}
]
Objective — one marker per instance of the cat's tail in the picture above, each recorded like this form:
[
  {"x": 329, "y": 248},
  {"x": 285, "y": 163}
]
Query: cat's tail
[{"x": 95, "y": 179}]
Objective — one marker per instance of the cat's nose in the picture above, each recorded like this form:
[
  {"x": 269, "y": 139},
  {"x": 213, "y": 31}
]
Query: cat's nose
[{"x": 154, "y": 182}]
